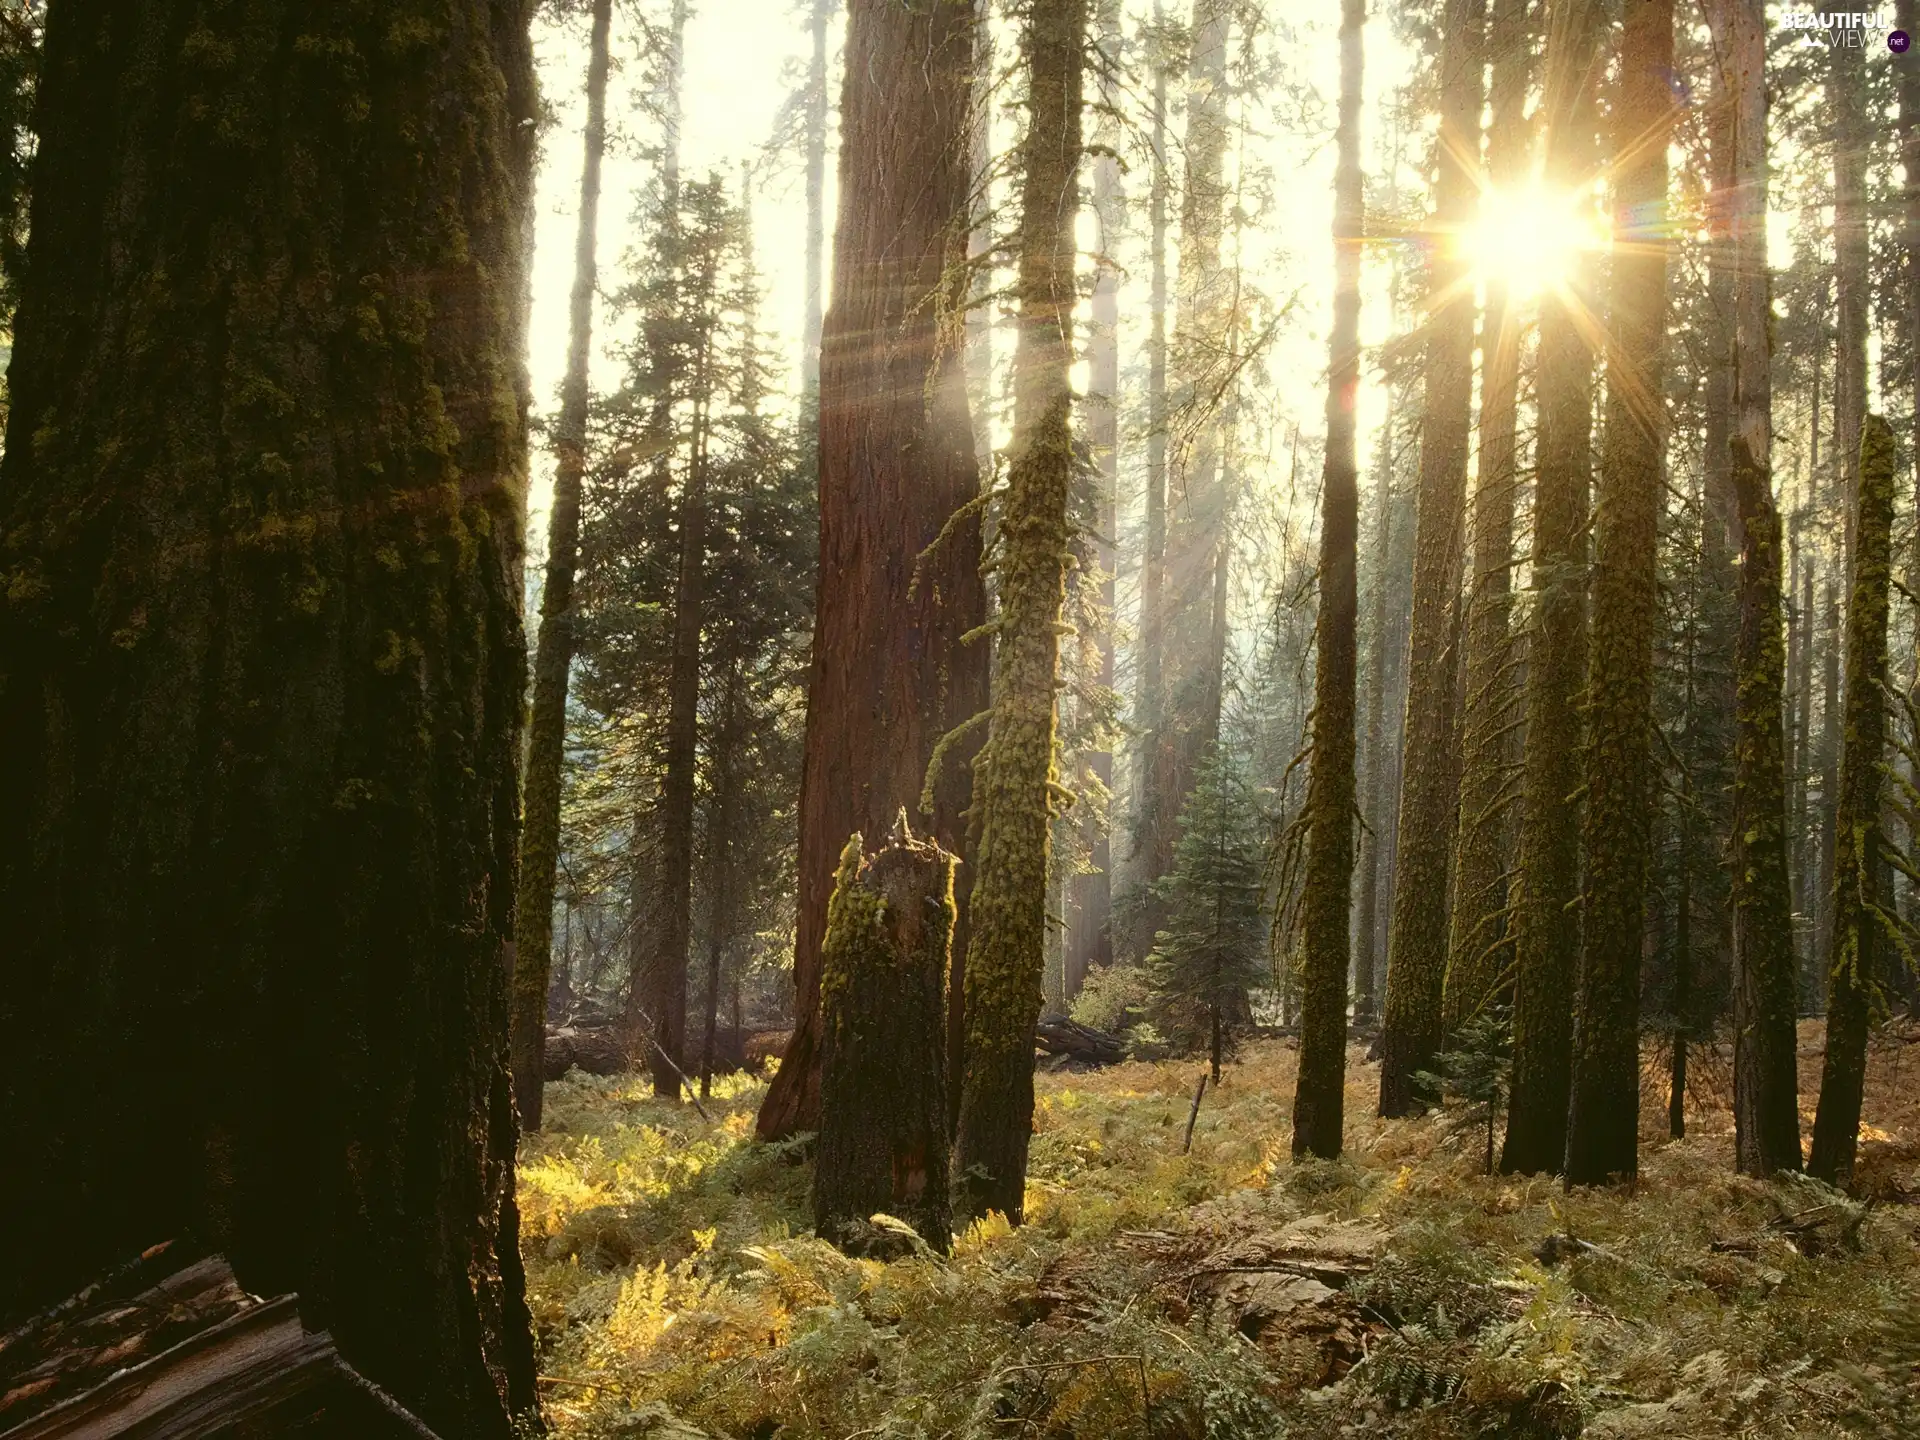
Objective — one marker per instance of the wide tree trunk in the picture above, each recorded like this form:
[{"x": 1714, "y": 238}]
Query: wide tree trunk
[
  {"x": 1478, "y": 952},
  {"x": 883, "y": 1077},
  {"x": 1016, "y": 770},
  {"x": 262, "y": 669},
  {"x": 1410, "y": 1033},
  {"x": 1861, "y": 923},
  {"x": 1319, "y": 1096},
  {"x": 1603, "y": 1130},
  {"x": 547, "y": 730},
  {"x": 1546, "y": 925},
  {"x": 1766, "y": 1109},
  {"x": 890, "y": 675}
]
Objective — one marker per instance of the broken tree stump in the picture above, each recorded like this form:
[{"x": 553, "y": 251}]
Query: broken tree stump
[{"x": 882, "y": 1145}]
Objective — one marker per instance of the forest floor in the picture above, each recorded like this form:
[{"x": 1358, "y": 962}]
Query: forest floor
[{"x": 1228, "y": 1292}]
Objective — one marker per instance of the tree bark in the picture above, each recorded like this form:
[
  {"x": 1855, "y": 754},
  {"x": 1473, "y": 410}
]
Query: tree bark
[
  {"x": 1766, "y": 1113},
  {"x": 1478, "y": 952},
  {"x": 1150, "y": 700},
  {"x": 890, "y": 675},
  {"x": 1090, "y": 944},
  {"x": 547, "y": 729},
  {"x": 1016, "y": 767},
  {"x": 262, "y": 669},
  {"x": 1860, "y": 920},
  {"x": 1603, "y": 1131},
  {"x": 668, "y": 939},
  {"x": 1376, "y": 800},
  {"x": 1319, "y": 1096},
  {"x": 1546, "y": 926},
  {"x": 1417, "y": 951},
  {"x": 883, "y": 1102},
  {"x": 816, "y": 251}
]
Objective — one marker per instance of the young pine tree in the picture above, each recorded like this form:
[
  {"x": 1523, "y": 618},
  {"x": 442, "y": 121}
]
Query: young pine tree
[{"x": 1210, "y": 954}]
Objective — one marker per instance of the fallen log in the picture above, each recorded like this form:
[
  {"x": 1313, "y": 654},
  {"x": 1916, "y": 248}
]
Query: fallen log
[
  {"x": 1073, "y": 1045},
  {"x": 600, "y": 1049}
]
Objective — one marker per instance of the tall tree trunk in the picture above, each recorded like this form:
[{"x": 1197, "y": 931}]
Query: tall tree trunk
[
  {"x": 1603, "y": 1131},
  {"x": 1375, "y": 758},
  {"x": 1013, "y": 799},
  {"x": 1546, "y": 925},
  {"x": 262, "y": 669},
  {"x": 1150, "y": 700},
  {"x": 1852, "y": 144},
  {"x": 1319, "y": 1097},
  {"x": 883, "y": 1106},
  {"x": 1194, "y": 512},
  {"x": 1766, "y": 1116},
  {"x": 816, "y": 142},
  {"x": 547, "y": 731},
  {"x": 890, "y": 676},
  {"x": 728, "y": 738},
  {"x": 1814, "y": 984},
  {"x": 1478, "y": 952},
  {"x": 1410, "y": 1033},
  {"x": 1860, "y": 921},
  {"x": 1091, "y": 941},
  {"x": 668, "y": 936}
]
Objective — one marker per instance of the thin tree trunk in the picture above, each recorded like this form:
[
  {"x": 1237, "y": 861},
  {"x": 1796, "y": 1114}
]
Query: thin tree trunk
[
  {"x": 1091, "y": 943},
  {"x": 1860, "y": 921},
  {"x": 1483, "y": 849},
  {"x": 1852, "y": 143},
  {"x": 1410, "y": 1033},
  {"x": 1015, "y": 768},
  {"x": 816, "y": 143},
  {"x": 1603, "y": 1130},
  {"x": 1319, "y": 1097},
  {"x": 890, "y": 676},
  {"x": 260, "y": 698},
  {"x": 1375, "y": 757},
  {"x": 728, "y": 738},
  {"x": 1149, "y": 701},
  {"x": 1766, "y": 1117},
  {"x": 1546, "y": 925},
  {"x": 547, "y": 730}
]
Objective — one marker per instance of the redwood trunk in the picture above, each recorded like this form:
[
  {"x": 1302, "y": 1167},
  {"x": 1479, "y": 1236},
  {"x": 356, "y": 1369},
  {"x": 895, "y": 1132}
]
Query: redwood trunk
[
  {"x": 890, "y": 676},
  {"x": 262, "y": 670}
]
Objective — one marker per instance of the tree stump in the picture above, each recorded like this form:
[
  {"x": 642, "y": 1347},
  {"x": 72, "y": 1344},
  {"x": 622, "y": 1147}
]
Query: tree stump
[{"x": 883, "y": 1084}]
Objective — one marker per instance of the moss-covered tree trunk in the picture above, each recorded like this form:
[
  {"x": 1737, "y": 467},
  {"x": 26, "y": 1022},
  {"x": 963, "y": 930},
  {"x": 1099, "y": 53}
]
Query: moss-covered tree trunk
[
  {"x": 1319, "y": 1096},
  {"x": 1766, "y": 1111},
  {"x": 1546, "y": 926},
  {"x": 1861, "y": 926},
  {"x": 1429, "y": 789},
  {"x": 1603, "y": 1131},
  {"x": 883, "y": 1075},
  {"x": 261, "y": 672},
  {"x": 547, "y": 729},
  {"x": 1015, "y": 774},
  {"x": 1483, "y": 849},
  {"x": 890, "y": 676},
  {"x": 1854, "y": 139}
]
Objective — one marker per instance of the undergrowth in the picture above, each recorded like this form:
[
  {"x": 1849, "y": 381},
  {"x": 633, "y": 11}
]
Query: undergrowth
[{"x": 677, "y": 1292}]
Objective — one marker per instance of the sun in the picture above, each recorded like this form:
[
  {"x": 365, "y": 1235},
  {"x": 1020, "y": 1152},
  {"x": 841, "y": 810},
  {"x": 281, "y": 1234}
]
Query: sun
[{"x": 1529, "y": 238}]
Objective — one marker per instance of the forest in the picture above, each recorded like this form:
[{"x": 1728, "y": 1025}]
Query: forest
[{"x": 932, "y": 719}]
